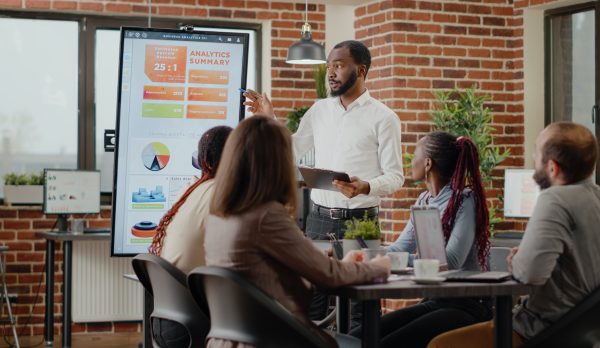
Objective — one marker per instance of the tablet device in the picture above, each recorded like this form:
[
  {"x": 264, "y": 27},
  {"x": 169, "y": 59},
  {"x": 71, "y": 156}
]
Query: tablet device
[{"x": 322, "y": 178}]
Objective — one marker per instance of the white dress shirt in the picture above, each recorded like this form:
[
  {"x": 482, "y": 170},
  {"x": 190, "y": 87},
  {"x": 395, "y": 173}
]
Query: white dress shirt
[{"x": 362, "y": 140}]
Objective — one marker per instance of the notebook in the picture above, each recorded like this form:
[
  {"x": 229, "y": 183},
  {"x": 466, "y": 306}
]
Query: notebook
[{"x": 430, "y": 245}]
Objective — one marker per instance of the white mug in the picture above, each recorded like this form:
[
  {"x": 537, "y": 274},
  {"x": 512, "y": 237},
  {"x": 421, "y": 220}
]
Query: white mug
[
  {"x": 371, "y": 253},
  {"x": 426, "y": 268},
  {"x": 399, "y": 260}
]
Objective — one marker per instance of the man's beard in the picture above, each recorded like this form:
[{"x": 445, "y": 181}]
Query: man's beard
[
  {"x": 346, "y": 86},
  {"x": 541, "y": 179}
]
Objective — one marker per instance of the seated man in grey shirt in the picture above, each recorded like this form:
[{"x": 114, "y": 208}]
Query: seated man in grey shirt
[{"x": 559, "y": 251}]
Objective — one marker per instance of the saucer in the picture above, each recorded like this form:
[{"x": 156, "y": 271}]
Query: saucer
[{"x": 429, "y": 280}]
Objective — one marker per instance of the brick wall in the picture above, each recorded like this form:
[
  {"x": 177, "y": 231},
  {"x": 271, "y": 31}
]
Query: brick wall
[
  {"x": 420, "y": 47},
  {"x": 292, "y": 86}
]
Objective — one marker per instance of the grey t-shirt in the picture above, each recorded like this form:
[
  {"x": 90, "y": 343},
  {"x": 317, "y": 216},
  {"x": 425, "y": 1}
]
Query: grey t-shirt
[{"x": 559, "y": 253}]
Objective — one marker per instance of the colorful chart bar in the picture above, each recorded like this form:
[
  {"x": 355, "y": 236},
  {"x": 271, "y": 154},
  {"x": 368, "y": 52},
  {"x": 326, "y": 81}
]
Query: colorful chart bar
[
  {"x": 163, "y": 93},
  {"x": 207, "y": 94},
  {"x": 209, "y": 77},
  {"x": 162, "y": 110},
  {"x": 207, "y": 112}
]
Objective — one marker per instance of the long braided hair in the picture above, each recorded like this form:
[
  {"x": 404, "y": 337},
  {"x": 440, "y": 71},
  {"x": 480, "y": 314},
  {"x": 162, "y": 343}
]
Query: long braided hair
[
  {"x": 210, "y": 148},
  {"x": 457, "y": 162}
]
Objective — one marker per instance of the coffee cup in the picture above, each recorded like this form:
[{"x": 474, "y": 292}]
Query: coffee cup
[
  {"x": 426, "y": 268},
  {"x": 371, "y": 253},
  {"x": 399, "y": 260}
]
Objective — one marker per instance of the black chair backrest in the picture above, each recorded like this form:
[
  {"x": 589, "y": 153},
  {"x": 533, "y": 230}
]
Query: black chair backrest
[
  {"x": 171, "y": 296},
  {"x": 580, "y": 327},
  {"x": 241, "y": 312}
]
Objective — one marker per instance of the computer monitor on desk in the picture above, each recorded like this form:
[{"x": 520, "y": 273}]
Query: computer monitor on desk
[
  {"x": 520, "y": 192},
  {"x": 68, "y": 191}
]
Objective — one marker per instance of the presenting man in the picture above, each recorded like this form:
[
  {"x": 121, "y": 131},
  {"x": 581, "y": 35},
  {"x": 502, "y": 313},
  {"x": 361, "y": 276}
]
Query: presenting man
[
  {"x": 559, "y": 251},
  {"x": 350, "y": 132}
]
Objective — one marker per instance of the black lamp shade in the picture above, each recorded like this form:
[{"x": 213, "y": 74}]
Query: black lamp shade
[{"x": 306, "y": 51}]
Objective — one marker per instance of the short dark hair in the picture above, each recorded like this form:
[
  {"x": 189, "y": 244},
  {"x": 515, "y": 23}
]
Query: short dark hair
[
  {"x": 573, "y": 147},
  {"x": 359, "y": 52}
]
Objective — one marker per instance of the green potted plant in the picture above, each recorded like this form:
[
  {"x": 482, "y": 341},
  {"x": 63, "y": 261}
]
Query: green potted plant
[
  {"x": 366, "y": 228},
  {"x": 23, "y": 188}
]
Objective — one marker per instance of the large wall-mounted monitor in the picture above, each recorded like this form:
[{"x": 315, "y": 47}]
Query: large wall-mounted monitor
[
  {"x": 520, "y": 192},
  {"x": 173, "y": 86},
  {"x": 68, "y": 191}
]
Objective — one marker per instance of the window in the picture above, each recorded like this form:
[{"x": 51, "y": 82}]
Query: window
[
  {"x": 572, "y": 78},
  {"x": 58, "y": 88},
  {"x": 38, "y": 94}
]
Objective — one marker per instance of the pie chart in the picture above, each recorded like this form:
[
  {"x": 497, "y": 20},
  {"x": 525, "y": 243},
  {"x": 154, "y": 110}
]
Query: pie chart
[{"x": 155, "y": 156}]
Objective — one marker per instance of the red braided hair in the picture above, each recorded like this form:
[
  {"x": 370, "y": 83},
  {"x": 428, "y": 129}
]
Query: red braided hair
[
  {"x": 457, "y": 160},
  {"x": 210, "y": 147}
]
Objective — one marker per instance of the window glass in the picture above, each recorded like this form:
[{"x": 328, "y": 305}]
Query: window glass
[{"x": 38, "y": 95}]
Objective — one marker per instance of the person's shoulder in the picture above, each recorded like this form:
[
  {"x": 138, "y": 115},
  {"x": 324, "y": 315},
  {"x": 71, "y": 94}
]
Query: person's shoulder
[
  {"x": 382, "y": 110},
  {"x": 573, "y": 192}
]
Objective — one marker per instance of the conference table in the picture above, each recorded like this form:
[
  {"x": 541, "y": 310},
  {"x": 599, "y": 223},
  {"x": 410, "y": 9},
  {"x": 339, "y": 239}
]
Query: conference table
[{"x": 370, "y": 296}]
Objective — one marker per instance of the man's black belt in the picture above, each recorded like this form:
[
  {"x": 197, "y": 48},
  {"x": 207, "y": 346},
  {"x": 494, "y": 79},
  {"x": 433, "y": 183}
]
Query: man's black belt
[{"x": 342, "y": 213}]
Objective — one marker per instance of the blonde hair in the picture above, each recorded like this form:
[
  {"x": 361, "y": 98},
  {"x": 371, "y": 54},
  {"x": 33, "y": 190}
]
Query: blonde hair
[{"x": 257, "y": 167}]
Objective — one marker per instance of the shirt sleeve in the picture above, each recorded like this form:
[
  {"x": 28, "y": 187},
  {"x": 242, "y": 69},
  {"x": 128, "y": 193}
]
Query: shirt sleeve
[
  {"x": 303, "y": 140},
  {"x": 390, "y": 158},
  {"x": 282, "y": 239},
  {"x": 543, "y": 242},
  {"x": 463, "y": 234}
]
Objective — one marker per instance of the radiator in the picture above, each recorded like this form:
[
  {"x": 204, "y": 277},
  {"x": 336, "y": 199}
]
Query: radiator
[{"x": 100, "y": 293}]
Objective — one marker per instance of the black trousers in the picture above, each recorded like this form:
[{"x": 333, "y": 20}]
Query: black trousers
[
  {"x": 415, "y": 326},
  {"x": 169, "y": 334},
  {"x": 317, "y": 227}
]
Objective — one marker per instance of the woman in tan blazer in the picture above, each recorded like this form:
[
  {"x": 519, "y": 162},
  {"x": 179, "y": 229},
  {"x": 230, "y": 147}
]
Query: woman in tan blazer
[{"x": 251, "y": 230}]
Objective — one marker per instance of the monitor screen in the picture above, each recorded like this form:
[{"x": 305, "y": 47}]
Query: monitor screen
[
  {"x": 71, "y": 191},
  {"x": 520, "y": 192},
  {"x": 174, "y": 85}
]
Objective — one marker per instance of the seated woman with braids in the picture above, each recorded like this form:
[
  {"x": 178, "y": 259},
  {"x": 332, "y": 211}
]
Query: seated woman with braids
[
  {"x": 449, "y": 166},
  {"x": 180, "y": 234}
]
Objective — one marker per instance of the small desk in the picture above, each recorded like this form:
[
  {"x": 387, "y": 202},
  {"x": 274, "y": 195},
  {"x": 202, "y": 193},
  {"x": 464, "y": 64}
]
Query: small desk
[
  {"x": 67, "y": 238},
  {"x": 370, "y": 295}
]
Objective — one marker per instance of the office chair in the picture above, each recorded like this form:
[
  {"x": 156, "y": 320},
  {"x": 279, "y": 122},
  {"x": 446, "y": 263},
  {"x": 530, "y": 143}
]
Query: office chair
[
  {"x": 241, "y": 312},
  {"x": 498, "y": 257},
  {"x": 580, "y": 327},
  {"x": 172, "y": 298}
]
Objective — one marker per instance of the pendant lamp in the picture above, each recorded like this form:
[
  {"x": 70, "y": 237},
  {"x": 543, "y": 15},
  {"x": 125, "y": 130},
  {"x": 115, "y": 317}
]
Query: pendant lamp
[{"x": 306, "y": 51}]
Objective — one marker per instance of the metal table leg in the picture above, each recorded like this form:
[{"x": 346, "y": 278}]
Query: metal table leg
[
  {"x": 342, "y": 308},
  {"x": 370, "y": 324},
  {"x": 503, "y": 322},
  {"x": 49, "y": 311},
  {"x": 66, "y": 330}
]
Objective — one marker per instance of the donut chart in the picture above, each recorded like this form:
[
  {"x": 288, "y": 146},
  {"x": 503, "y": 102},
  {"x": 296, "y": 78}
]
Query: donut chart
[{"x": 156, "y": 156}]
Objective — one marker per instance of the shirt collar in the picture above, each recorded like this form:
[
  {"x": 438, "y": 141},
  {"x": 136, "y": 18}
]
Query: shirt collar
[{"x": 360, "y": 101}]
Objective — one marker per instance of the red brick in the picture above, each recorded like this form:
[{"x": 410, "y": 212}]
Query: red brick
[
  {"x": 234, "y": 3},
  {"x": 432, "y": 6},
  {"x": 8, "y": 213},
  {"x": 37, "y": 4},
  {"x": 17, "y": 224},
  {"x": 170, "y": 10},
  {"x": 257, "y": 4},
  {"x": 123, "y": 8},
  {"x": 64, "y": 5},
  {"x": 213, "y": 12},
  {"x": 12, "y": 3},
  {"x": 195, "y": 12}
]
